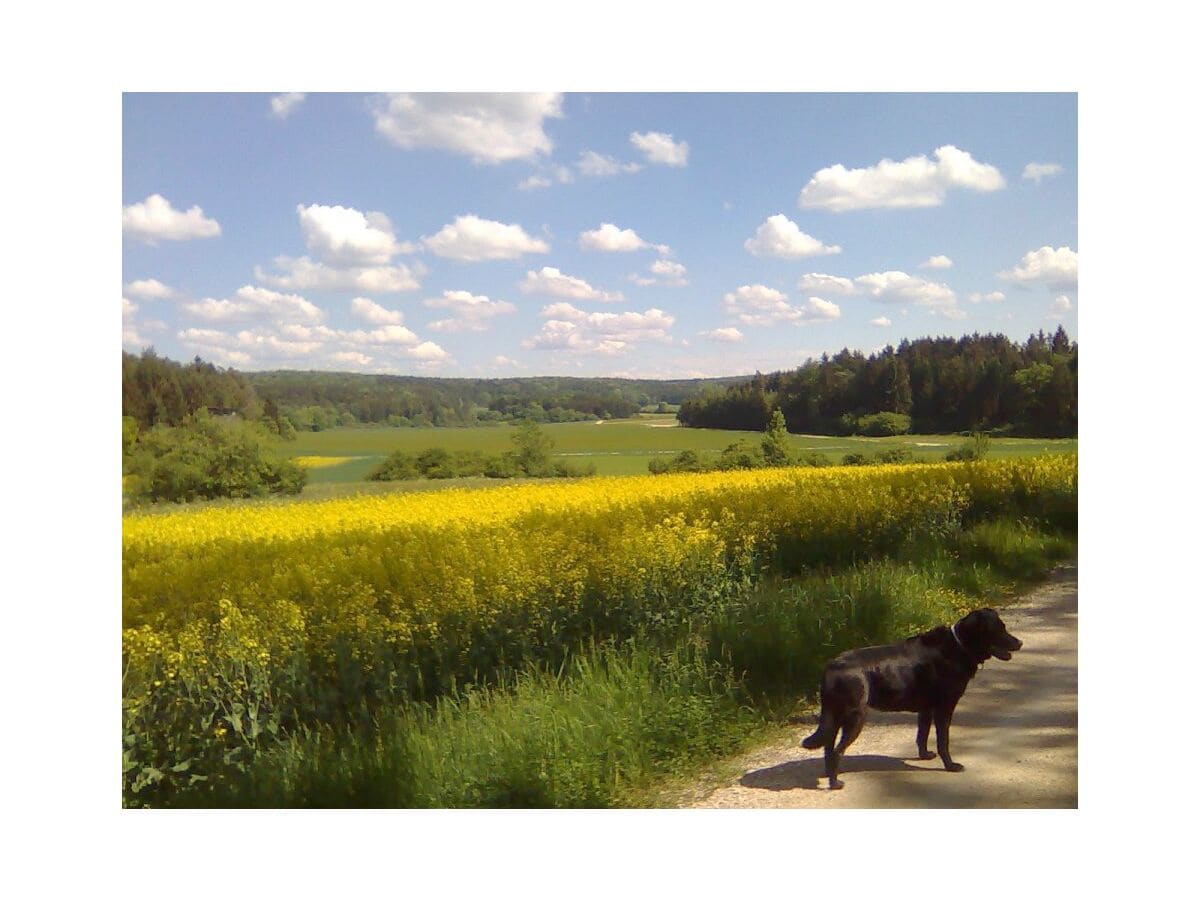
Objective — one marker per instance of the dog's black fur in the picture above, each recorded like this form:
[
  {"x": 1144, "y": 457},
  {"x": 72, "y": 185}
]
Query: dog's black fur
[{"x": 926, "y": 674}]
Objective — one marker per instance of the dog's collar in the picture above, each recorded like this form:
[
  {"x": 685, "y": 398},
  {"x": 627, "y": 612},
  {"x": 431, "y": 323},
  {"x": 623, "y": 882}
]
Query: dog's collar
[
  {"x": 970, "y": 655},
  {"x": 959, "y": 640}
]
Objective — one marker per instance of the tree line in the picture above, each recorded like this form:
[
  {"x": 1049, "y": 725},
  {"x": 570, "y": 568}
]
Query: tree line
[
  {"x": 928, "y": 385},
  {"x": 157, "y": 390}
]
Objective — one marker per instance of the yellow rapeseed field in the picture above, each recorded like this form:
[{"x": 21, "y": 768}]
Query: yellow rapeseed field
[
  {"x": 321, "y": 462},
  {"x": 290, "y": 610}
]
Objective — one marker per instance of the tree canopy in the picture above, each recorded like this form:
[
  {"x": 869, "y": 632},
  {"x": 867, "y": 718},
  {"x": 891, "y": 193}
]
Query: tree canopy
[{"x": 929, "y": 385}]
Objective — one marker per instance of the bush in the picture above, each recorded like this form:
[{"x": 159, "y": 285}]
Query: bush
[
  {"x": 503, "y": 466},
  {"x": 530, "y": 457},
  {"x": 775, "y": 448},
  {"x": 814, "y": 459},
  {"x": 855, "y": 459},
  {"x": 204, "y": 459},
  {"x": 977, "y": 448},
  {"x": 894, "y": 455},
  {"x": 741, "y": 455},
  {"x": 400, "y": 466},
  {"x": 573, "y": 470},
  {"x": 884, "y": 424},
  {"x": 684, "y": 461}
]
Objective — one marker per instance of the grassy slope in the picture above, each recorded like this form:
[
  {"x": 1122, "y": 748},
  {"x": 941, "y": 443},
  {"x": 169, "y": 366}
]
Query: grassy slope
[{"x": 618, "y": 447}]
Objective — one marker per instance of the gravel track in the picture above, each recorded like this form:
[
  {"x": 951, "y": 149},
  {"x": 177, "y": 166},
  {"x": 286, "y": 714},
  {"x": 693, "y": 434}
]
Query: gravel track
[{"x": 1015, "y": 730}]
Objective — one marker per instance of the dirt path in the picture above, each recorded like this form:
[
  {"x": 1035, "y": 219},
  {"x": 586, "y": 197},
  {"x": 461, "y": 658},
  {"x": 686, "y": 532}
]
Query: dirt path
[{"x": 1015, "y": 730}]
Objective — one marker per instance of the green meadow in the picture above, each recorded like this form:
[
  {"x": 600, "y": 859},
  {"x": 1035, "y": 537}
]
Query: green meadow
[{"x": 615, "y": 447}]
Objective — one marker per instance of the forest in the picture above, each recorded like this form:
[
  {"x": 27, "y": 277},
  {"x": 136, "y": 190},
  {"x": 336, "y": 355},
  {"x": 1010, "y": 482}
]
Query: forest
[
  {"x": 927, "y": 386},
  {"x": 157, "y": 390}
]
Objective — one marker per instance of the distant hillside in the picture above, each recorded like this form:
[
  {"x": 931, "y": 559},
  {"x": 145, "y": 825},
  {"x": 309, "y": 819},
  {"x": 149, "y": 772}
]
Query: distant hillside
[
  {"x": 158, "y": 390},
  {"x": 417, "y": 400}
]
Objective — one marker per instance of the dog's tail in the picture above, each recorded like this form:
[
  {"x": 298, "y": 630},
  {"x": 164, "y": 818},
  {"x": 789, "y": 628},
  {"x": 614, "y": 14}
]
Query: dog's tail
[{"x": 824, "y": 733}]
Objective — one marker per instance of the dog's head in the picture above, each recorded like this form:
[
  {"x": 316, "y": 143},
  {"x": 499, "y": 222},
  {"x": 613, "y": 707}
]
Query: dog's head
[{"x": 983, "y": 632}]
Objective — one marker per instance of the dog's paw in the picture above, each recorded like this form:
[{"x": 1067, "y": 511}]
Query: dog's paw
[
  {"x": 927, "y": 754},
  {"x": 836, "y": 785},
  {"x": 954, "y": 767}
]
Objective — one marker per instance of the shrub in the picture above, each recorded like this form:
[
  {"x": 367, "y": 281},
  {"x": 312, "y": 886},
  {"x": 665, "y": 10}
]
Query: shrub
[
  {"x": 741, "y": 455},
  {"x": 529, "y": 457},
  {"x": 684, "y": 461},
  {"x": 503, "y": 466},
  {"x": 400, "y": 466},
  {"x": 884, "y": 424},
  {"x": 203, "y": 459},
  {"x": 813, "y": 459},
  {"x": 775, "y": 449},
  {"x": 573, "y": 470},
  {"x": 977, "y": 448},
  {"x": 894, "y": 455}
]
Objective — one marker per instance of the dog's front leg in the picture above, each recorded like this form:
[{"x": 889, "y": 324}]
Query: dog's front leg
[
  {"x": 941, "y": 720},
  {"x": 924, "y": 720}
]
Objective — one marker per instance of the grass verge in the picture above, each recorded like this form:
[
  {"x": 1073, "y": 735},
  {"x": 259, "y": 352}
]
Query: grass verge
[{"x": 616, "y": 720}]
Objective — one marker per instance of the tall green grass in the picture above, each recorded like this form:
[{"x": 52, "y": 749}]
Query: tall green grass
[{"x": 599, "y": 731}]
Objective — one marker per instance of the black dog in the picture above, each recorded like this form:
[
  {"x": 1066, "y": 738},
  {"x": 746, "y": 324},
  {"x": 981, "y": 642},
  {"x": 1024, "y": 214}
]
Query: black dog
[{"x": 926, "y": 674}]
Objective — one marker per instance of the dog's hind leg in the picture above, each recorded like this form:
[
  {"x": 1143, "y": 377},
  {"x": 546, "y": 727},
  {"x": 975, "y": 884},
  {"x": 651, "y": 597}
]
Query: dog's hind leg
[
  {"x": 924, "y": 720},
  {"x": 852, "y": 725},
  {"x": 825, "y": 733}
]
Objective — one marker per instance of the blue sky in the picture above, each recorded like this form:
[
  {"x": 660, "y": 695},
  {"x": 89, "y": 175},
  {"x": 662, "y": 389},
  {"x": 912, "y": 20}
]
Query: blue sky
[{"x": 644, "y": 235}]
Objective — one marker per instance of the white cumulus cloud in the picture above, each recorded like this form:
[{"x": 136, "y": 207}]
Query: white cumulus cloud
[
  {"x": 366, "y": 310},
  {"x": 468, "y": 312},
  {"x": 661, "y": 148},
  {"x": 271, "y": 343},
  {"x": 900, "y": 287},
  {"x": 154, "y": 219},
  {"x": 553, "y": 283},
  {"x": 533, "y": 182},
  {"x": 780, "y": 236},
  {"x": 826, "y": 284},
  {"x": 937, "y": 262},
  {"x": 305, "y": 274},
  {"x": 603, "y": 334},
  {"x": 663, "y": 272},
  {"x": 488, "y": 128},
  {"x": 724, "y": 335},
  {"x": 608, "y": 238},
  {"x": 1055, "y": 268},
  {"x": 594, "y": 165},
  {"x": 250, "y": 303},
  {"x": 1035, "y": 172},
  {"x": 759, "y": 305},
  {"x": 881, "y": 322},
  {"x": 816, "y": 308},
  {"x": 915, "y": 182},
  {"x": 283, "y": 105},
  {"x": 343, "y": 236},
  {"x": 547, "y": 177},
  {"x": 472, "y": 239},
  {"x": 990, "y": 297},
  {"x": 148, "y": 289}
]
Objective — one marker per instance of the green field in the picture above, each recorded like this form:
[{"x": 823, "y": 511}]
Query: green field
[{"x": 615, "y": 447}]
